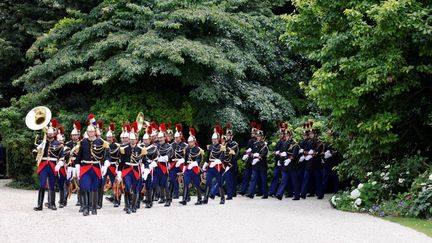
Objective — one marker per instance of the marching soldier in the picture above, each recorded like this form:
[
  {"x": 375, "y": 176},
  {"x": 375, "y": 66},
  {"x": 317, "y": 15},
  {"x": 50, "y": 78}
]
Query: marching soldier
[
  {"x": 193, "y": 157},
  {"x": 169, "y": 134},
  {"x": 331, "y": 159},
  {"x": 247, "y": 158},
  {"x": 278, "y": 160},
  {"x": 130, "y": 169},
  {"x": 52, "y": 154},
  {"x": 114, "y": 163},
  {"x": 313, "y": 167},
  {"x": 259, "y": 165},
  {"x": 70, "y": 152},
  {"x": 92, "y": 161},
  {"x": 60, "y": 168},
  {"x": 161, "y": 171},
  {"x": 213, "y": 166},
  {"x": 290, "y": 172},
  {"x": 150, "y": 162},
  {"x": 178, "y": 147}
]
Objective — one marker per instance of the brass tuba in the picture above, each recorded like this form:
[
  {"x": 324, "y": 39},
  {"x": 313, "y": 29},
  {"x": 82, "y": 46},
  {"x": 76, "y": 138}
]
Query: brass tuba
[
  {"x": 141, "y": 122},
  {"x": 37, "y": 119}
]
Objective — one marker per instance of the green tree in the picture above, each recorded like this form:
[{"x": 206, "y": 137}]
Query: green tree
[{"x": 371, "y": 74}]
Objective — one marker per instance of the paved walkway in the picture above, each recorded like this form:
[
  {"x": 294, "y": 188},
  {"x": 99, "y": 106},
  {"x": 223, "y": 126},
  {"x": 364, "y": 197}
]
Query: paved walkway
[{"x": 239, "y": 220}]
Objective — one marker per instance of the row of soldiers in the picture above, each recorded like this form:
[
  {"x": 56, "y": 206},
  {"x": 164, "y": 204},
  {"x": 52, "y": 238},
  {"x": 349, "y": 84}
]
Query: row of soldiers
[{"x": 152, "y": 167}]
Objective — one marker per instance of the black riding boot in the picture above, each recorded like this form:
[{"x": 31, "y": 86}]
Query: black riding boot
[
  {"x": 162, "y": 195},
  {"x": 206, "y": 195},
  {"x": 95, "y": 200},
  {"x": 167, "y": 197},
  {"x": 140, "y": 198},
  {"x": 61, "y": 201},
  {"x": 85, "y": 203},
  {"x": 41, "y": 195},
  {"x": 222, "y": 195},
  {"x": 51, "y": 203},
  {"x": 134, "y": 202},
  {"x": 185, "y": 195},
  {"x": 79, "y": 201},
  {"x": 149, "y": 198},
  {"x": 199, "y": 201},
  {"x": 100, "y": 197},
  {"x": 128, "y": 202}
]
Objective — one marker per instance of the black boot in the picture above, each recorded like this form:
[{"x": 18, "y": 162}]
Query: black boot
[
  {"x": 66, "y": 195},
  {"x": 61, "y": 201},
  {"x": 116, "y": 202},
  {"x": 222, "y": 195},
  {"x": 41, "y": 195},
  {"x": 128, "y": 202},
  {"x": 167, "y": 198},
  {"x": 206, "y": 195},
  {"x": 79, "y": 202},
  {"x": 47, "y": 204},
  {"x": 149, "y": 198},
  {"x": 134, "y": 202},
  {"x": 52, "y": 204},
  {"x": 100, "y": 197},
  {"x": 185, "y": 195},
  {"x": 95, "y": 201},
  {"x": 162, "y": 195},
  {"x": 85, "y": 202},
  {"x": 199, "y": 199},
  {"x": 140, "y": 199}
]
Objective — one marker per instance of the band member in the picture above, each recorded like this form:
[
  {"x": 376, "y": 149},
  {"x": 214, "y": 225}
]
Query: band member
[
  {"x": 124, "y": 136},
  {"x": 230, "y": 162},
  {"x": 52, "y": 154},
  {"x": 331, "y": 158},
  {"x": 150, "y": 162},
  {"x": 114, "y": 163},
  {"x": 259, "y": 165},
  {"x": 313, "y": 167},
  {"x": 92, "y": 161},
  {"x": 178, "y": 147},
  {"x": 130, "y": 169},
  {"x": 247, "y": 158},
  {"x": 169, "y": 134},
  {"x": 213, "y": 166},
  {"x": 278, "y": 160},
  {"x": 160, "y": 179},
  {"x": 60, "y": 168},
  {"x": 193, "y": 157},
  {"x": 70, "y": 152},
  {"x": 290, "y": 172}
]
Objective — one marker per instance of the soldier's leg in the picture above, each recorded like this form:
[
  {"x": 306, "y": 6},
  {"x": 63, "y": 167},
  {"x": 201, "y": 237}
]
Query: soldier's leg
[
  {"x": 51, "y": 184},
  {"x": 264, "y": 186},
  {"x": 42, "y": 180},
  {"x": 282, "y": 185},
  {"x": 294, "y": 174},
  {"x": 85, "y": 182},
  {"x": 176, "y": 185},
  {"x": 289, "y": 187},
  {"x": 334, "y": 180},
  {"x": 197, "y": 181},
  {"x": 186, "y": 181},
  {"x": 229, "y": 183},
  {"x": 234, "y": 179},
  {"x": 246, "y": 181},
  {"x": 61, "y": 185},
  {"x": 275, "y": 181},
  {"x": 305, "y": 183},
  {"x": 221, "y": 189},
  {"x": 128, "y": 185},
  {"x": 111, "y": 176},
  {"x": 209, "y": 179},
  {"x": 318, "y": 183},
  {"x": 253, "y": 184}
]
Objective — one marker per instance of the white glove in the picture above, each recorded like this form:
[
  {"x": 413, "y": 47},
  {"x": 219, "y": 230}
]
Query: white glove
[
  {"x": 278, "y": 163},
  {"x": 327, "y": 154},
  {"x": 256, "y": 155},
  {"x": 287, "y": 161},
  {"x": 153, "y": 165},
  {"x": 255, "y": 161},
  {"x": 106, "y": 163},
  {"x": 104, "y": 170},
  {"x": 308, "y": 157},
  {"x": 248, "y": 150},
  {"x": 58, "y": 165},
  {"x": 119, "y": 176},
  {"x": 283, "y": 154},
  {"x": 163, "y": 159},
  {"x": 227, "y": 168},
  {"x": 77, "y": 171},
  {"x": 145, "y": 173},
  {"x": 142, "y": 167},
  {"x": 302, "y": 158},
  {"x": 245, "y": 157},
  {"x": 192, "y": 164},
  {"x": 277, "y": 152},
  {"x": 74, "y": 175},
  {"x": 301, "y": 151},
  {"x": 179, "y": 162},
  {"x": 70, "y": 172},
  {"x": 311, "y": 152},
  {"x": 215, "y": 162},
  {"x": 205, "y": 166}
]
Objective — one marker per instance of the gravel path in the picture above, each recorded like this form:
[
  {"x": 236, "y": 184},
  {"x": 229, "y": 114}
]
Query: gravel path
[{"x": 239, "y": 220}]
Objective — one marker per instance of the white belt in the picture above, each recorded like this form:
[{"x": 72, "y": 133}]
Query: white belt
[
  {"x": 132, "y": 164},
  {"x": 113, "y": 163},
  {"x": 90, "y": 162},
  {"x": 49, "y": 158}
]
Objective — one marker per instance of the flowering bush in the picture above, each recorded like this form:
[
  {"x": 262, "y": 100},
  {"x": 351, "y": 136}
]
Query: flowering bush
[{"x": 421, "y": 193}]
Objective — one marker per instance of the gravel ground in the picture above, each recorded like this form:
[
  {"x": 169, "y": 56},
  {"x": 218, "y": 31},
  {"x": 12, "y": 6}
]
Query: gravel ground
[{"x": 239, "y": 220}]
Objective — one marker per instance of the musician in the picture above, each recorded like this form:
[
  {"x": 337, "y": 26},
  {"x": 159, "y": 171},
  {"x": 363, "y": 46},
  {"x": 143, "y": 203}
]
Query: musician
[
  {"x": 259, "y": 165},
  {"x": 178, "y": 147},
  {"x": 229, "y": 177},
  {"x": 61, "y": 167},
  {"x": 277, "y": 173},
  {"x": 70, "y": 152},
  {"x": 160, "y": 179},
  {"x": 247, "y": 158},
  {"x": 150, "y": 162},
  {"x": 114, "y": 163}
]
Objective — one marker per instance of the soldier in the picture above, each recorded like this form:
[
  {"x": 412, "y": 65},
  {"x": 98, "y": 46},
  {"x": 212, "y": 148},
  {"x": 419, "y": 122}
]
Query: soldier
[
  {"x": 278, "y": 160},
  {"x": 178, "y": 147},
  {"x": 114, "y": 163},
  {"x": 150, "y": 162},
  {"x": 124, "y": 136},
  {"x": 60, "y": 168},
  {"x": 290, "y": 172},
  {"x": 92, "y": 161},
  {"x": 169, "y": 134},
  {"x": 313, "y": 167},
  {"x": 70, "y": 151},
  {"x": 331, "y": 159},
  {"x": 259, "y": 165},
  {"x": 52, "y": 155},
  {"x": 130, "y": 169},
  {"x": 247, "y": 158},
  {"x": 193, "y": 157},
  {"x": 160, "y": 179},
  {"x": 213, "y": 166}
]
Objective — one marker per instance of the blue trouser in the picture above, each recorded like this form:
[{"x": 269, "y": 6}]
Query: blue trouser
[
  {"x": 159, "y": 178},
  {"x": 131, "y": 183},
  {"x": 228, "y": 180},
  {"x": 330, "y": 174},
  {"x": 173, "y": 180},
  {"x": 61, "y": 181},
  {"x": 234, "y": 174},
  {"x": 317, "y": 176},
  {"x": 190, "y": 176},
  {"x": 290, "y": 183},
  {"x": 45, "y": 174},
  {"x": 246, "y": 180},
  {"x": 213, "y": 173},
  {"x": 90, "y": 181},
  {"x": 256, "y": 176},
  {"x": 275, "y": 180}
]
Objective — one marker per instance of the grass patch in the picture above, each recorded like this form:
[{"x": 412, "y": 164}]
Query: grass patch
[{"x": 421, "y": 225}]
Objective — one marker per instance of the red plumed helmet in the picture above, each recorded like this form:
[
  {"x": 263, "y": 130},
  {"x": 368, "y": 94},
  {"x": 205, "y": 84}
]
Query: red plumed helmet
[
  {"x": 149, "y": 130},
  {"x": 60, "y": 130},
  {"x": 162, "y": 127},
  {"x": 228, "y": 126},
  {"x": 135, "y": 126},
  {"x": 179, "y": 127},
  {"x": 111, "y": 126},
  {"x": 100, "y": 125},
  {"x": 91, "y": 116},
  {"x": 192, "y": 131},
  {"x": 258, "y": 126},
  {"x": 128, "y": 127},
  {"x": 217, "y": 129},
  {"x": 253, "y": 124},
  {"x": 78, "y": 125},
  {"x": 54, "y": 123}
]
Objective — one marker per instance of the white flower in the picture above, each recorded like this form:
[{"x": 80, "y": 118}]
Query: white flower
[
  {"x": 401, "y": 180},
  {"x": 374, "y": 183},
  {"x": 382, "y": 174},
  {"x": 423, "y": 184},
  {"x": 387, "y": 166},
  {"x": 333, "y": 200},
  {"x": 386, "y": 178},
  {"x": 369, "y": 174},
  {"x": 430, "y": 177},
  {"x": 358, "y": 201},
  {"x": 355, "y": 194},
  {"x": 360, "y": 186}
]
